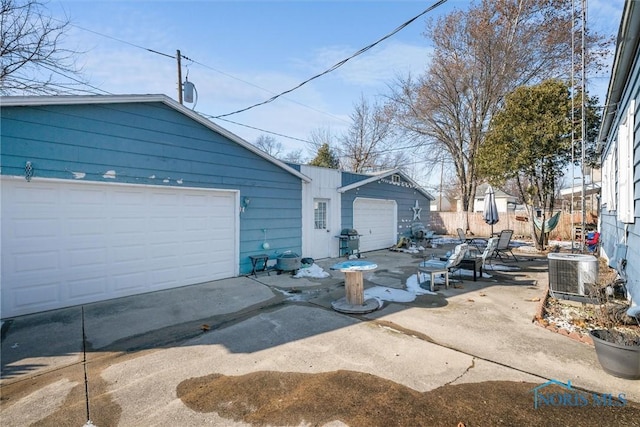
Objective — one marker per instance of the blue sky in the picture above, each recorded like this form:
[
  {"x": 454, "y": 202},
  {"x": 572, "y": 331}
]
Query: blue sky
[{"x": 250, "y": 50}]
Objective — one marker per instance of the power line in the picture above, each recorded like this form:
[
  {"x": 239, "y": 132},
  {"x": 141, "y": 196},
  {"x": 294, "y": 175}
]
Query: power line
[
  {"x": 341, "y": 63},
  {"x": 73, "y": 79},
  {"x": 276, "y": 96},
  {"x": 202, "y": 65},
  {"x": 121, "y": 41},
  {"x": 255, "y": 128},
  {"x": 266, "y": 90}
]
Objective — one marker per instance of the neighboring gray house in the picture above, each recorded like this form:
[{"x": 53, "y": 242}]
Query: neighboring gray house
[
  {"x": 109, "y": 196},
  {"x": 619, "y": 142}
]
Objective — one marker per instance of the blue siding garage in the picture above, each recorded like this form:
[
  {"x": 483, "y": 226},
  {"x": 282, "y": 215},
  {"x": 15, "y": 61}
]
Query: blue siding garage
[
  {"x": 107, "y": 196},
  {"x": 382, "y": 207}
]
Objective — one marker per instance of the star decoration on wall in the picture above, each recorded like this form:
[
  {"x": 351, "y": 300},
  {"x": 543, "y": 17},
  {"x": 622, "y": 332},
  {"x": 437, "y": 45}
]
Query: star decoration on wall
[{"x": 416, "y": 211}]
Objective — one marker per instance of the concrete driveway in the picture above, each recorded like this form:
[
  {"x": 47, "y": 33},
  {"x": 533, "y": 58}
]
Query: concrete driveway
[{"x": 119, "y": 362}]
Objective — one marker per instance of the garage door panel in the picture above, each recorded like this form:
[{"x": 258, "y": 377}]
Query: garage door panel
[
  {"x": 86, "y": 258},
  {"x": 162, "y": 250},
  {"x": 40, "y": 261},
  {"x": 42, "y": 297},
  {"x": 86, "y": 227},
  {"x": 66, "y": 243},
  {"x": 90, "y": 286},
  {"x": 34, "y": 228},
  {"x": 128, "y": 282},
  {"x": 79, "y": 198},
  {"x": 131, "y": 226},
  {"x": 38, "y": 196}
]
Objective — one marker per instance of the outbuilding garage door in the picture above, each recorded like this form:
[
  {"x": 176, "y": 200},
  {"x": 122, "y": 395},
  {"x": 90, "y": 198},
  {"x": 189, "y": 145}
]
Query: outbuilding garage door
[
  {"x": 376, "y": 221},
  {"x": 66, "y": 242}
]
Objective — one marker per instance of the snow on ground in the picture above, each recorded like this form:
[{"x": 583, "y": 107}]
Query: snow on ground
[
  {"x": 315, "y": 271},
  {"x": 383, "y": 293}
]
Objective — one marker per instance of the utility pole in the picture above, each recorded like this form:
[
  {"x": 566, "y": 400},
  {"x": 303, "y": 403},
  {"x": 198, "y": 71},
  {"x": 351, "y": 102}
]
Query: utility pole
[
  {"x": 179, "y": 77},
  {"x": 573, "y": 123},
  {"x": 441, "y": 179},
  {"x": 584, "y": 119}
]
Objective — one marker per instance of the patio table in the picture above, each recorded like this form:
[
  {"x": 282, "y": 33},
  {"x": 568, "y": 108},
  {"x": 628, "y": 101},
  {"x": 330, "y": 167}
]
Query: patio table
[{"x": 354, "y": 301}]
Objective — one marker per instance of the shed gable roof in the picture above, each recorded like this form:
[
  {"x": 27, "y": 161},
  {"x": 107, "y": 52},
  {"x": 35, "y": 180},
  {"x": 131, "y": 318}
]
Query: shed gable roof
[{"x": 382, "y": 175}]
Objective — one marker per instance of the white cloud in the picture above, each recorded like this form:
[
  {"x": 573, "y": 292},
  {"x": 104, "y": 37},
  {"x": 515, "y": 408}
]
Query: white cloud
[{"x": 375, "y": 67}]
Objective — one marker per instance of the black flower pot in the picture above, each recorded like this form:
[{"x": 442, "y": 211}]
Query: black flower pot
[{"x": 617, "y": 359}]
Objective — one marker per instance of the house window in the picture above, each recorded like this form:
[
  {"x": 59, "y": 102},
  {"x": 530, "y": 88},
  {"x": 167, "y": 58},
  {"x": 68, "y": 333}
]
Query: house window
[
  {"x": 395, "y": 179},
  {"x": 625, "y": 166},
  {"x": 320, "y": 215}
]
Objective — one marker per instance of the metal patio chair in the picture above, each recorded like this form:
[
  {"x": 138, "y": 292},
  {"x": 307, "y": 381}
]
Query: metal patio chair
[
  {"x": 471, "y": 240},
  {"x": 504, "y": 246}
]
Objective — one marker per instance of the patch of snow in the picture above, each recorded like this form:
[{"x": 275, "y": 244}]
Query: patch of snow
[
  {"x": 78, "y": 175},
  {"x": 315, "y": 271},
  {"x": 413, "y": 285},
  {"x": 111, "y": 174},
  {"x": 383, "y": 293}
]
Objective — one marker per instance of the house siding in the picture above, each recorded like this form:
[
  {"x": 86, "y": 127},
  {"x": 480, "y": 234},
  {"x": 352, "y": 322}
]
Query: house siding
[
  {"x": 153, "y": 144},
  {"x": 403, "y": 193},
  {"x": 614, "y": 232}
]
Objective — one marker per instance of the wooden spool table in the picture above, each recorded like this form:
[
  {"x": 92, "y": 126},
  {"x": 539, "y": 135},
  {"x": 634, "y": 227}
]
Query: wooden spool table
[{"x": 353, "y": 301}]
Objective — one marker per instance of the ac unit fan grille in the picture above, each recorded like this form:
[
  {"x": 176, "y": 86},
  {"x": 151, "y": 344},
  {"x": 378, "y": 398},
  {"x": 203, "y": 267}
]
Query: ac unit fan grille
[
  {"x": 570, "y": 273},
  {"x": 563, "y": 277}
]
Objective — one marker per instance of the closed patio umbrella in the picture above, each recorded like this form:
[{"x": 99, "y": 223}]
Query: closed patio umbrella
[{"x": 490, "y": 209}]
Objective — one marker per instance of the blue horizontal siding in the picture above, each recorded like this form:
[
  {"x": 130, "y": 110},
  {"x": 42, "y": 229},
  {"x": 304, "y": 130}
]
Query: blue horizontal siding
[{"x": 153, "y": 144}]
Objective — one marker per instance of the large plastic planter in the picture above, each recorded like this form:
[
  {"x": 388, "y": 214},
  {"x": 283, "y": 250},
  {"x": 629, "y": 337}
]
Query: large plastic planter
[{"x": 618, "y": 360}]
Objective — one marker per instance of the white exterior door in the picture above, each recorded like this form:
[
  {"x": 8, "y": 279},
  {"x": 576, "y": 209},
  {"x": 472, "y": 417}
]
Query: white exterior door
[
  {"x": 67, "y": 242},
  {"x": 376, "y": 222},
  {"x": 320, "y": 212},
  {"x": 322, "y": 236}
]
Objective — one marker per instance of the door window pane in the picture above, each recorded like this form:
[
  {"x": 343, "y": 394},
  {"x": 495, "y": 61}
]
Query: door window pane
[{"x": 320, "y": 215}]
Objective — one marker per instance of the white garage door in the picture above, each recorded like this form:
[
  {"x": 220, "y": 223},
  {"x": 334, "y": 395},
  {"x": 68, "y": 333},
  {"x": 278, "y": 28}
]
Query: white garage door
[
  {"x": 66, "y": 242},
  {"x": 376, "y": 221}
]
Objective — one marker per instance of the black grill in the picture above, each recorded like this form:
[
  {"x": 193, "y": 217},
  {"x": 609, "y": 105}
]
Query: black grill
[{"x": 349, "y": 241}]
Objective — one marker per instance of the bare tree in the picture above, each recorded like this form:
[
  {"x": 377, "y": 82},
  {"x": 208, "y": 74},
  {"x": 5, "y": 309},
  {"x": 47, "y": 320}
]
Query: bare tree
[
  {"x": 480, "y": 55},
  {"x": 269, "y": 145},
  {"x": 318, "y": 137},
  {"x": 294, "y": 156},
  {"x": 32, "y": 58},
  {"x": 370, "y": 141}
]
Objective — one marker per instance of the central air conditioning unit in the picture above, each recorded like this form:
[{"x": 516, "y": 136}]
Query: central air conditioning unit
[{"x": 570, "y": 274}]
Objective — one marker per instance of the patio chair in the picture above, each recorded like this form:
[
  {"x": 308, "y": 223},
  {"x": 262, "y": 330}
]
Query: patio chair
[
  {"x": 488, "y": 252},
  {"x": 470, "y": 240},
  {"x": 503, "y": 247},
  {"x": 433, "y": 266},
  {"x": 463, "y": 237}
]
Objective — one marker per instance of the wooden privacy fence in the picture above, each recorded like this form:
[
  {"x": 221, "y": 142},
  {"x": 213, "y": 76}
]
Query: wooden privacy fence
[{"x": 448, "y": 222}]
